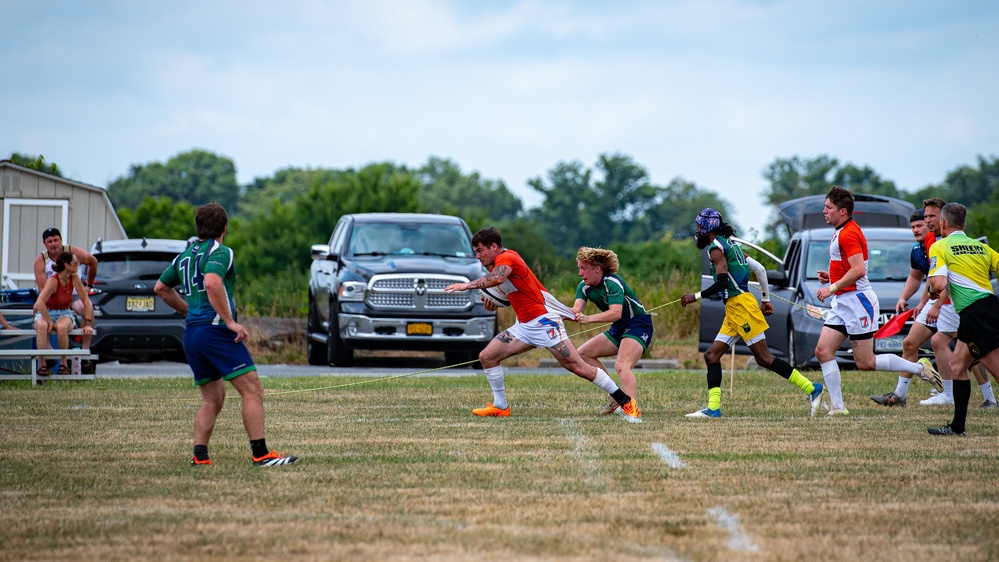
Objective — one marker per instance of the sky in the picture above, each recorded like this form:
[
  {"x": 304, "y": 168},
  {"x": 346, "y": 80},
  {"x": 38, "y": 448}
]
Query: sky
[{"x": 710, "y": 91}]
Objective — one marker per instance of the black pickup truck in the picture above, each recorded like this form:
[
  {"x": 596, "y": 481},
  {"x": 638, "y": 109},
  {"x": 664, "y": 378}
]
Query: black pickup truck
[{"x": 379, "y": 284}]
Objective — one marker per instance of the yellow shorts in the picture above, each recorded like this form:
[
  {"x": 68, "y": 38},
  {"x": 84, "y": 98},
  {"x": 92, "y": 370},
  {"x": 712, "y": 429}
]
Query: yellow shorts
[{"x": 743, "y": 318}]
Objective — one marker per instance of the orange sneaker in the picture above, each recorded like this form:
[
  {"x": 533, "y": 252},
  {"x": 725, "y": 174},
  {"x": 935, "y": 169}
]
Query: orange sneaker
[
  {"x": 492, "y": 411},
  {"x": 631, "y": 410},
  {"x": 196, "y": 462}
]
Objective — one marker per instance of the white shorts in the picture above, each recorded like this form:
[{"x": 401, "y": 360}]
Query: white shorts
[
  {"x": 856, "y": 310},
  {"x": 947, "y": 322},
  {"x": 544, "y": 331}
]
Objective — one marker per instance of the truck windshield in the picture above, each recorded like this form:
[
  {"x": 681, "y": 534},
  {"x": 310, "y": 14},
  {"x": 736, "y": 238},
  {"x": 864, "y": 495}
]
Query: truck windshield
[
  {"x": 888, "y": 260},
  {"x": 376, "y": 239}
]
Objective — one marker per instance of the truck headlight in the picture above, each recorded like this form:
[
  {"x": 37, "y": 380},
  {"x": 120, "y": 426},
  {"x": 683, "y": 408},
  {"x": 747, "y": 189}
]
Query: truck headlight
[{"x": 351, "y": 291}]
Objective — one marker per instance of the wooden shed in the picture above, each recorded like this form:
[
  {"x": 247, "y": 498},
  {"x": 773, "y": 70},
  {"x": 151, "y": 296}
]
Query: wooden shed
[{"x": 33, "y": 201}]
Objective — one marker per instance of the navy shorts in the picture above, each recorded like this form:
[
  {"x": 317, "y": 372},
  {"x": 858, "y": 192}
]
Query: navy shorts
[
  {"x": 213, "y": 355},
  {"x": 638, "y": 328}
]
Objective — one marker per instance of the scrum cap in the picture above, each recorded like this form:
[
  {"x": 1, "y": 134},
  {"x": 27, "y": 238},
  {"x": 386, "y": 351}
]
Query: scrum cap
[{"x": 708, "y": 220}]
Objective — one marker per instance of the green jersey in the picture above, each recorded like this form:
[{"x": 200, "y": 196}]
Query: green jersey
[
  {"x": 612, "y": 290},
  {"x": 738, "y": 269},
  {"x": 966, "y": 263},
  {"x": 189, "y": 269}
]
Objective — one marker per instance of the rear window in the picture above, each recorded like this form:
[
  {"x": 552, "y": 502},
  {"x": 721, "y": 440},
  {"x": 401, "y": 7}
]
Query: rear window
[
  {"x": 123, "y": 266},
  {"x": 888, "y": 260}
]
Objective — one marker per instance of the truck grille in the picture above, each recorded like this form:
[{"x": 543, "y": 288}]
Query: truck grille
[{"x": 416, "y": 292}]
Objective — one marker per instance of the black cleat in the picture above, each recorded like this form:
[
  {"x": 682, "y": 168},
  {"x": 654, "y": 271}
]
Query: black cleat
[{"x": 945, "y": 430}]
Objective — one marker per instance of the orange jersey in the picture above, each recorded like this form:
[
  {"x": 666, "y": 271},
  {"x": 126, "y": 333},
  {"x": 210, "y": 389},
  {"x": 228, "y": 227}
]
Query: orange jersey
[
  {"x": 848, "y": 241},
  {"x": 528, "y": 301}
]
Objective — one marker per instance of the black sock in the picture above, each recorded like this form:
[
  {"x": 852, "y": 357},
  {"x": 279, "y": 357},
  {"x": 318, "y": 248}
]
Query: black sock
[
  {"x": 621, "y": 397},
  {"x": 258, "y": 447},
  {"x": 201, "y": 452},
  {"x": 962, "y": 393},
  {"x": 782, "y": 368},
  {"x": 714, "y": 375}
]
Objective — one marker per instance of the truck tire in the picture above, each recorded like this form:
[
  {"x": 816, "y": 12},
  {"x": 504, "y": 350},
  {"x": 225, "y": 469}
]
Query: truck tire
[
  {"x": 337, "y": 355},
  {"x": 316, "y": 351},
  {"x": 454, "y": 358}
]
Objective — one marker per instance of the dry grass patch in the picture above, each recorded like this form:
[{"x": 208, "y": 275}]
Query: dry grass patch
[{"x": 397, "y": 470}]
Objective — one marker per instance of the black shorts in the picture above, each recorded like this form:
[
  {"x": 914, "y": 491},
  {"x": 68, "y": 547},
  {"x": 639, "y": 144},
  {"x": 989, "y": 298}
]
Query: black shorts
[{"x": 979, "y": 327}]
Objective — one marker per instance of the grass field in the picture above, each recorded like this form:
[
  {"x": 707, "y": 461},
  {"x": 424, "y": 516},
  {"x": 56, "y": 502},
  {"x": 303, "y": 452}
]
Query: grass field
[{"x": 399, "y": 469}]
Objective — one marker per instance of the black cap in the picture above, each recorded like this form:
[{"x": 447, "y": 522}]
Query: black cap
[
  {"x": 51, "y": 232},
  {"x": 917, "y": 216}
]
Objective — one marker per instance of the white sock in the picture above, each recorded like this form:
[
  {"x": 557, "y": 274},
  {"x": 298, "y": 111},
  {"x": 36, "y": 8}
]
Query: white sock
[
  {"x": 604, "y": 381},
  {"x": 495, "y": 377},
  {"x": 830, "y": 372},
  {"x": 987, "y": 391},
  {"x": 896, "y": 363},
  {"x": 949, "y": 388},
  {"x": 902, "y": 388}
]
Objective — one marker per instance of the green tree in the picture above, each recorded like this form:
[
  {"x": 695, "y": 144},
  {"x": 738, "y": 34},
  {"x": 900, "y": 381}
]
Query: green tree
[
  {"x": 446, "y": 190},
  {"x": 35, "y": 163},
  {"x": 621, "y": 199},
  {"x": 677, "y": 207},
  {"x": 562, "y": 216},
  {"x": 795, "y": 177},
  {"x": 277, "y": 239},
  {"x": 284, "y": 186},
  {"x": 159, "y": 217},
  {"x": 196, "y": 176}
]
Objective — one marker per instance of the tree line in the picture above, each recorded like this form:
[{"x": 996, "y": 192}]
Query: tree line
[{"x": 612, "y": 204}]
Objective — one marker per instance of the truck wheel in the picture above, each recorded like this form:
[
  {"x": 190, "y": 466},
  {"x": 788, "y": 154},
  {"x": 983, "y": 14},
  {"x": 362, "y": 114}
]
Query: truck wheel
[
  {"x": 314, "y": 324},
  {"x": 453, "y": 358},
  {"x": 337, "y": 355},
  {"x": 316, "y": 351}
]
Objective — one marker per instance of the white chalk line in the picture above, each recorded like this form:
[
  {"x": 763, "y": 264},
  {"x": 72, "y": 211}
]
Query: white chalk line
[
  {"x": 738, "y": 540},
  {"x": 668, "y": 456}
]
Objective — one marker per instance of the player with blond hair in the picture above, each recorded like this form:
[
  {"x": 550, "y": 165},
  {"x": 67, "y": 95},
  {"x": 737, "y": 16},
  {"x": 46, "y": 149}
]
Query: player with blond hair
[{"x": 630, "y": 331}]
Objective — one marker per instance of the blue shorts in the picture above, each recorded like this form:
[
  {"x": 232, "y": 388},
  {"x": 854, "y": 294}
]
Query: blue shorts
[
  {"x": 638, "y": 328},
  {"x": 213, "y": 355}
]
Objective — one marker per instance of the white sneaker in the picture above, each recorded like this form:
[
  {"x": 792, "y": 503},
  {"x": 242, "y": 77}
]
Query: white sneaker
[
  {"x": 940, "y": 399},
  {"x": 836, "y": 412}
]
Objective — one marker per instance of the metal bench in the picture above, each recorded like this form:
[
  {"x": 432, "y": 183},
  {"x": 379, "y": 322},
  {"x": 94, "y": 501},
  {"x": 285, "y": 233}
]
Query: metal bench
[{"x": 33, "y": 354}]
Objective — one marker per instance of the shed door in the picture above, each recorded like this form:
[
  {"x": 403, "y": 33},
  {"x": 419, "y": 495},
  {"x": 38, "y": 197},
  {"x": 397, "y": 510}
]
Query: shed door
[{"x": 23, "y": 223}]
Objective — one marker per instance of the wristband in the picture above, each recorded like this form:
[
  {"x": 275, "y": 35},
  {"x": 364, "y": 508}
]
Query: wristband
[
  {"x": 765, "y": 297},
  {"x": 697, "y": 296},
  {"x": 833, "y": 288}
]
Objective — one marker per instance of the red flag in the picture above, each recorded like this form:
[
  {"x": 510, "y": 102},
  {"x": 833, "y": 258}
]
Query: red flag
[{"x": 894, "y": 325}]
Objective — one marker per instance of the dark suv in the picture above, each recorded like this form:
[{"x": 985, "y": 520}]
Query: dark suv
[{"x": 133, "y": 324}]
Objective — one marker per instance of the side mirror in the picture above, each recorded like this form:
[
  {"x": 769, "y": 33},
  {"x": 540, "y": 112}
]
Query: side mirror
[{"x": 320, "y": 251}]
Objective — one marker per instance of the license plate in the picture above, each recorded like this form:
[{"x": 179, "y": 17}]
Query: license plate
[
  {"x": 419, "y": 329},
  {"x": 891, "y": 344},
  {"x": 140, "y": 304}
]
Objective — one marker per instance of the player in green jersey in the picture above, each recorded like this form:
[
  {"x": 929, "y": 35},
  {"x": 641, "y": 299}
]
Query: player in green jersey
[
  {"x": 206, "y": 276},
  {"x": 743, "y": 317},
  {"x": 631, "y": 325}
]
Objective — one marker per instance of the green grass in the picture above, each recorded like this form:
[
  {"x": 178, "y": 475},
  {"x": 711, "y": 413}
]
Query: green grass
[{"x": 400, "y": 469}]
